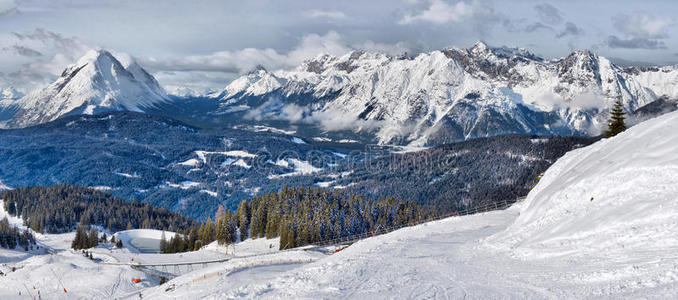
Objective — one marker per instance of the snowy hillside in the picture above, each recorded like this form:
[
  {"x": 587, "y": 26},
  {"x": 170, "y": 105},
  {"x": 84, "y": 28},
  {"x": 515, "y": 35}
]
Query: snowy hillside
[
  {"x": 98, "y": 82},
  {"x": 439, "y": 260},
  {"x": 600, "y": 224},
  {"x": 54, "y": 271},
  {"x": 449, "y": 95},
  {"x": 615, "y": 197}
]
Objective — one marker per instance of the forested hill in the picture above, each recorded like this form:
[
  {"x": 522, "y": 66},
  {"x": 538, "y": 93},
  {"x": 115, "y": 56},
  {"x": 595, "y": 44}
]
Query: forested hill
[
  {"x": 459, "y": 175},
  {"x": 58, "y": 208},
  {"x": 302, "y": 216}
]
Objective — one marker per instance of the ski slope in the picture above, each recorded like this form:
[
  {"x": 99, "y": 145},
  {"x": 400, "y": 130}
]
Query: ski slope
[
  {"x": 600, "y": 224},
  {"x": 447, "y": 259},
  {"x": 617, "y": 197},
  {"x": 53, "y": 271}
]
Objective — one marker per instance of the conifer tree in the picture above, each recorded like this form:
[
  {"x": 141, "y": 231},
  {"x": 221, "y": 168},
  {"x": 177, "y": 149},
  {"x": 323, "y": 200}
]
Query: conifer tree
[
  {"x": 81, "y": 240},
  {"x": 243, "y": 213},
  {"x": 93, "y": 238},
  {"x": 221, "y": 231},
  {"x": 176, "y": 244},
  {"x": 192, "y": 238},
  {"x": 163, "y": 243},
  {"x": 616, "y": 122},
  {"x": 11, "y": 208}
]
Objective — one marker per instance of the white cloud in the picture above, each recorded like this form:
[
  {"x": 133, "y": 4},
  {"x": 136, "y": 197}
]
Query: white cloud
[
  {"x": 244, "y": 60},
  {"x": 333, "y": 120},
  {"x": 36, "y": 58},
  {"x": 324, "y": 14},
  {"x": 330, "y": 120},
  {"x": 199, "y": 81},
  {"x": 7, "y": 7},
  {"x": 634, "y": 43},
  {"x": 221, "y": 61},
  {"x": 172, "y": 71},
  {"x": 548, "y": 13},
  {"x": 643, "y": 26},
  {"x": 570, "y": 29},
  {"x": 441, "y": 12},
  {"x": 587, "y": 100},
  {"x": 391, "y": 49},
  {"x": 312, "y": 45},
  {"x": 549, "y": 101}
]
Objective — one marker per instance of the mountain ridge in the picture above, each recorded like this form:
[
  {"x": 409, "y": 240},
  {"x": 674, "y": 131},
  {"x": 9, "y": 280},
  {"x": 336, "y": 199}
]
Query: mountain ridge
[
  {"x": 433, "y": 98},
  {"x": 451, "y": 94}
]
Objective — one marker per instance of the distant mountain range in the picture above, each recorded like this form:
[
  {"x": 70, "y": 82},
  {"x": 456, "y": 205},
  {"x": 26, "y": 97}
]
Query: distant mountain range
[
  {"x": 434, "y": 98},
  {"x": 451, "y": 94}
]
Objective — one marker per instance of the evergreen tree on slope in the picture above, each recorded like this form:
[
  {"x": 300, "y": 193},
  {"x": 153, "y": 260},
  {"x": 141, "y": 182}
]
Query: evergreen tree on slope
[{"x": 616, "y": 122}]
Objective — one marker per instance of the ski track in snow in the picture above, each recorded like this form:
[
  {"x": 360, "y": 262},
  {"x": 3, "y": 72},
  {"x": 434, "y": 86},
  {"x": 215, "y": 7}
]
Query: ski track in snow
[{"x": 448, "y": 260}]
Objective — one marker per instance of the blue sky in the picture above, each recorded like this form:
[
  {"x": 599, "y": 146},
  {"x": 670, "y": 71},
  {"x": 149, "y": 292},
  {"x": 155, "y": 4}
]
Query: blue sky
[{"x": 206, "y": 43}]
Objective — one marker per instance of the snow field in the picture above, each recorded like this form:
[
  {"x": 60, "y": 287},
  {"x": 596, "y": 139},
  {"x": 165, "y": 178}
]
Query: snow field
[{"x": 611, "y": 198}]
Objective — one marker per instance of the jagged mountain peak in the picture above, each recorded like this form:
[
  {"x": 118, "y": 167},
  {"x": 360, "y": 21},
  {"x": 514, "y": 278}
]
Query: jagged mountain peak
[
  {"x": 478, "y": 47},
  {"x": 583, "y": 67},
  {"x": 255, "y": 82},
  {"x": 97, "y": 82},
  {"x": 101, "y": 61},
  {"x": 582, "y": 55},
  {"x": 318, "y": 64},
  {"x": 482, "y": 50},
  {"x": 97, "y": 56},
  {"x": 347, "y": 62},
  {"x": 258, "y": 70},
  {"x": 504, "y": 52}
]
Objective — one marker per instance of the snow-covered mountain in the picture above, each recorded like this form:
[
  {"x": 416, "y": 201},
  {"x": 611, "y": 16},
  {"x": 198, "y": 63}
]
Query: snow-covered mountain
[
  {"x": 98, "y": 82},
  {"x": 8, "y": 103},
  {"x": 186, "y": 92},
  {"x": 451, "y": 94},
  {"x": 9, "y": 93}
]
